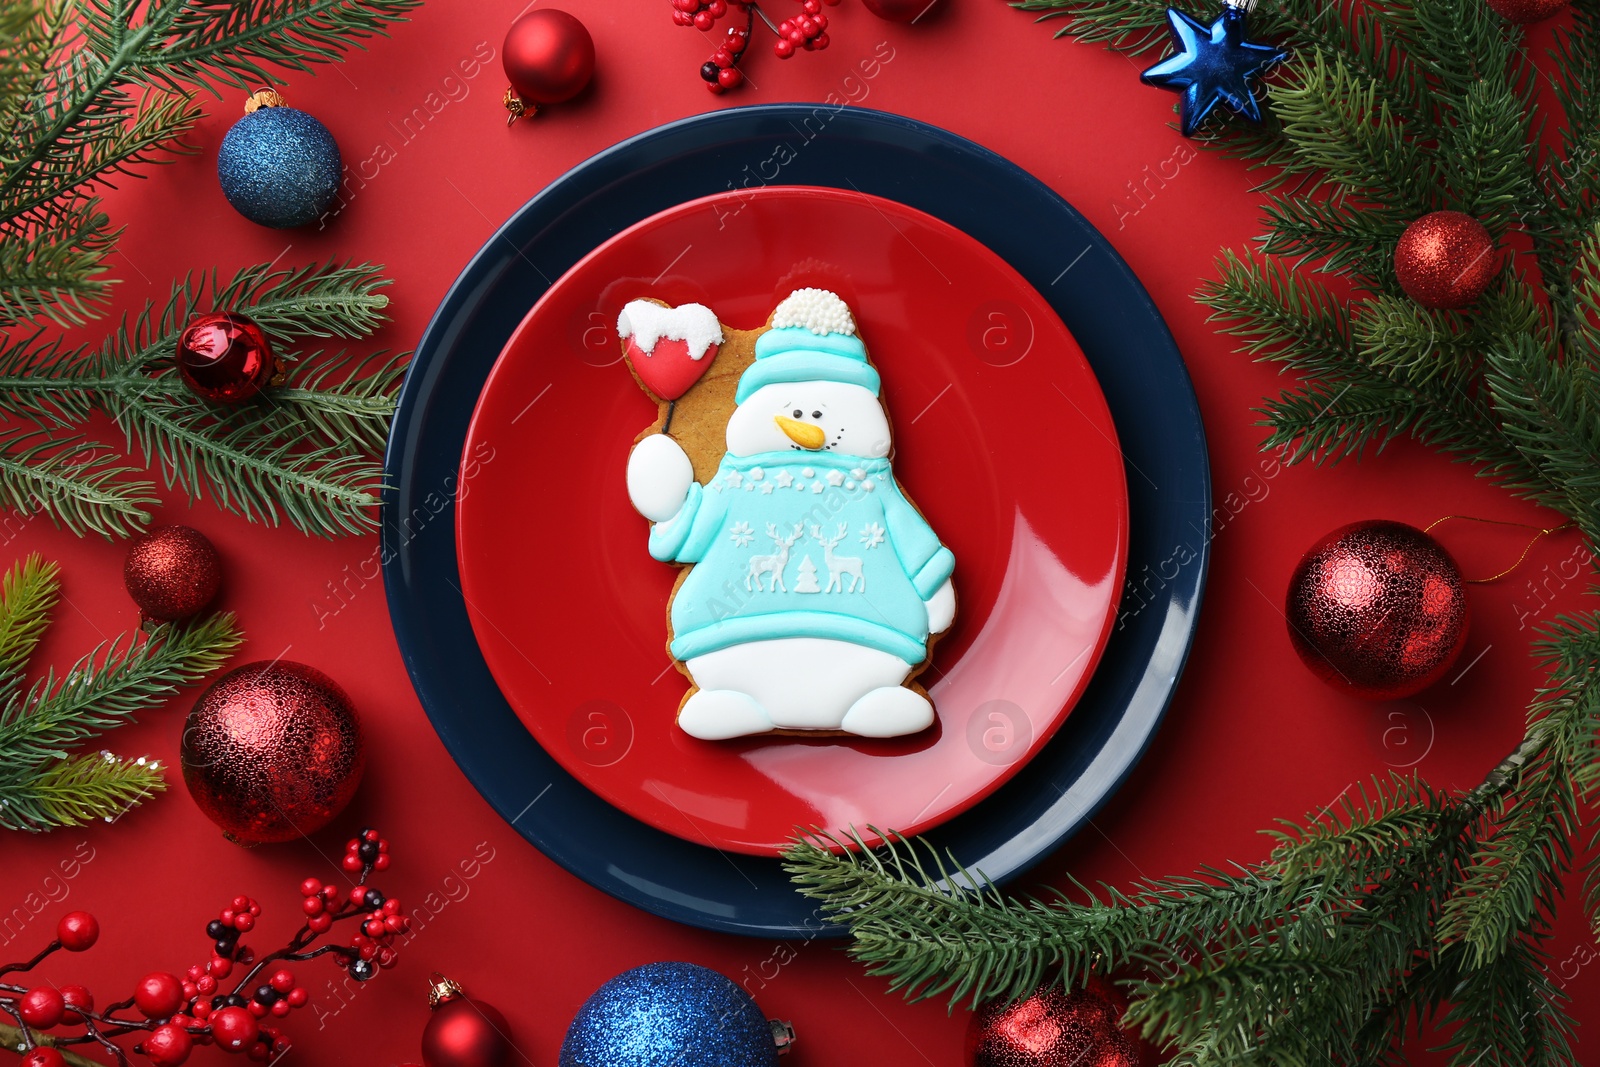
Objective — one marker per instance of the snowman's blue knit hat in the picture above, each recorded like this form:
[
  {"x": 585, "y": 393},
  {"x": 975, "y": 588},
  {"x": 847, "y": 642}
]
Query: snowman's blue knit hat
[{"x": 812, "y": 340}]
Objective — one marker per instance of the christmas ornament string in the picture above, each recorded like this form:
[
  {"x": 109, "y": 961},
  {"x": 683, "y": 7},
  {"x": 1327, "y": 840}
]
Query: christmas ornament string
[{"x": 1542, "y": 532}]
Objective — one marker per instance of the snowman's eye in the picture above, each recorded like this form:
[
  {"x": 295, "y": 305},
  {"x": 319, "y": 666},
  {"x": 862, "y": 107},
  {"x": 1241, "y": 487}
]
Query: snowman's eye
[
  {"x": 798, "y": 413},
  {"x": 816, "y": 414}
]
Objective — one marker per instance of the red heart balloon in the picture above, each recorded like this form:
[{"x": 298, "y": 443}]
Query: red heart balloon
[{"x": 669, "y": 348}]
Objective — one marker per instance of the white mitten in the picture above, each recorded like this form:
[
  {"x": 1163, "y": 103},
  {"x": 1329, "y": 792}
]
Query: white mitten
[
  {"x": 942, "y": 608},
  {"x": 659, "y": 476}
]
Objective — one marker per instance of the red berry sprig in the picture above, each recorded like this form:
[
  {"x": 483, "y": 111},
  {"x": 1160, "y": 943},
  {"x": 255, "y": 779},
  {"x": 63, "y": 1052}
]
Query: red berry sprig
[
  {"x": 173, "y": 1015},
  {"x": 806, "y": 31}
]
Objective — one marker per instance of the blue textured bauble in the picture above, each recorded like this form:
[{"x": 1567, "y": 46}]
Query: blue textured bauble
[
  {"x": 279, "y": 167},
  {"x": 669, "y": 1015}
]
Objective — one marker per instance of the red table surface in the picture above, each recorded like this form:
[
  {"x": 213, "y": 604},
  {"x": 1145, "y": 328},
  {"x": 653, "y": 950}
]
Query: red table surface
[{"x": 1250, "y": 736}]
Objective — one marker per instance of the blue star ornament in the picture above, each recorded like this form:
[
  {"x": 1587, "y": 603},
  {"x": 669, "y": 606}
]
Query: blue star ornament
[{"x": 1213, "y": 64}]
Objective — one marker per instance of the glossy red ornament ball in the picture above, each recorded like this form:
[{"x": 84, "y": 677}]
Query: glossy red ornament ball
[
  {"x": 1526, "y": 12},
  {"x": 234, "y": 1029},
  {"x": 167, "y": 1046},
  {"x": 78, "y": 931},
  {"x": 225, "y": 358},
  {"x": 1378, "y": 610},
  {"x": 1054, "y": 1028},
  {"x": 1445, "y": 260},
  {"x": 272, "y": 751},
  {"x": 43, "y": 1057},
  {"x": 464, "y": 1033},
  {"x": 899, "y": 10},
  {"x": 548, "y": 56},
  {"x": 158, "y": 994},
  {"x": 172, "y": 572},
  {"x": 42, "y": 1007}
]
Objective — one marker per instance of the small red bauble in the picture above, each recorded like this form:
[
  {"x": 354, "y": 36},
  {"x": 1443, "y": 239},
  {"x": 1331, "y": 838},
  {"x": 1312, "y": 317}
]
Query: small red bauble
[
  {"x": 79, "y": 997},
  {"x": 234, "y": 1029},
  {"x": 43, "y": 1057},
  {"x": 42, "y": 1007},
  {"x": 1377, "y": 610},
  {"x": 1526, "y": 12},
  {"x": 548, "y": 57},
  {"x": 225, "y": 358},
  {"x": 272, "y": 751},
  {"x": 463, "y": 1032},
  {"x": 899, "y": 10},
  {"x": 158, "y": 995},
  {"x": 1052, "y": 1028},
  {"x": 167, "y": 1046},
  {"x": 1445, "y": 260},
  {"x": 172, "y": 572},
  {"x": 77, "y": 931}
]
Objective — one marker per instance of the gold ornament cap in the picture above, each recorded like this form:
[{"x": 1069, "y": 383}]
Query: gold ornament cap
[
  {"x": 442, "y": 990},
  {"x": 265, "y": 97}
]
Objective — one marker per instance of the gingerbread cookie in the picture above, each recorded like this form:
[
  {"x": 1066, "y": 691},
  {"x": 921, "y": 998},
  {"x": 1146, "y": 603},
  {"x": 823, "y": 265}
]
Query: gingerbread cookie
[{"x": 813, "y": 587}]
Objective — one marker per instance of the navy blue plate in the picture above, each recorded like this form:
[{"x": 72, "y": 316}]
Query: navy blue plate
[{"x": 1038, "y": 233}]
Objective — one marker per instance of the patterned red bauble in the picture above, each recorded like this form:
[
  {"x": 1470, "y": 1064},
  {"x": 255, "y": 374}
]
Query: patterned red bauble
[
  {"x": 172, "y": 572},
  {"x": 1054, "y": 1028},
  {"x": 1377, "y": 609},
  {"x": 1445, "y": 260},
  {"x": 225, "y": 358},
  {"x": 463, "y": 1032},
  {"x": 900, "y": 10},
  {"x": 272, "y": 751},
  {"x": 1526, "y": 12},
  {"x": 548, "y": 57}
]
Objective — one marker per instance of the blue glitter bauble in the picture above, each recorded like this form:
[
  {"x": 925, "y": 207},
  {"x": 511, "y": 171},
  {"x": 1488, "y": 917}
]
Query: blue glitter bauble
[
  {"x": 279, "y": 167},
  {"x": 669, "y": 1015}
]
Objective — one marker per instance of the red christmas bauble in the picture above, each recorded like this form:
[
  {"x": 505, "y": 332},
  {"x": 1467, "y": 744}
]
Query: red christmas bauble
[
  {"x": 464, "y": 1033},
  {"x": 899, "y": 10},
  {"x": 172, "y": 572},
  {"x": 272, "y": 751},
  {"x": 1378, "y": 610},
  {"x": 1445, "y": 260},
  {"x": 225, "y": 358},
  {"x": 548, "y": 56},
  {"x": 1526, "y": 12},
  {"x": 1054, "y": 1028}
]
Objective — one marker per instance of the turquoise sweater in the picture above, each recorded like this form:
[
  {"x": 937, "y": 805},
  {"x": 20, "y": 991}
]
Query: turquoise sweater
[{"x": 756, "y": 534}]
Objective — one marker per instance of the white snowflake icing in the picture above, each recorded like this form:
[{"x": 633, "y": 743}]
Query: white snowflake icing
[
  {"x": 867, "y": 485},
  {"x": 836, "y": 477},
  {"x": 741, "y": 534},
  {"x": 816, "y": 310},
  {"x": 872, "y": 535},
  {"x": 767, "y": 487},
  {"x": 735, "y": 479},
  {"x": 851, "y": 484},
  {"x": 807, "y": 472},
  {"x": 756, "y": 474},
  {"x": 817, "y": 487},
  {"x": 858, "y": 474},
  {"x": 784, "y": 479}
]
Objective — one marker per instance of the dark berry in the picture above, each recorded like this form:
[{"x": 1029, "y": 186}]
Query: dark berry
[
  {"x": 234, "y": 1000},
  {"x": 224, "y": 947},
  {"x": 368, "y": 851},
  {"x": 374, "y": 899},
  {"x": 361, "y": 970},
  {"x": 215, "y": 930},
  {"x": 267, "y": 995},
  {"x": 708, "y": 71}
]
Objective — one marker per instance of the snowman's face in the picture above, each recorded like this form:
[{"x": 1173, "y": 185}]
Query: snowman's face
[{"x": 810, "y": 417}]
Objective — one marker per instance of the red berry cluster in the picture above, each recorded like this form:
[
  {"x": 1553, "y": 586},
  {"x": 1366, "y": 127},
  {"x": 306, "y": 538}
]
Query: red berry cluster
[
  {"x": 701, "y": 14},
  {"x": 808, "y": 30},
  {"x": 176, "y": 1014}
]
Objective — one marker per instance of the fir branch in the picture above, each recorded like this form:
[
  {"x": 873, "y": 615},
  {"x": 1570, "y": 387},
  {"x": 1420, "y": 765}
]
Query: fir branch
[
  {"x": 28, "y": 594},
  {"x": 106, "y": 688},
  {"x": 77, "y": 482},
  {"x": 86, "y": 788}
]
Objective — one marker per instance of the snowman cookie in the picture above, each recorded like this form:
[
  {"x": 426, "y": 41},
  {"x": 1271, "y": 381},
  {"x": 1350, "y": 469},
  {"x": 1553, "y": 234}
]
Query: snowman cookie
[{"x": 813, "y": 588}]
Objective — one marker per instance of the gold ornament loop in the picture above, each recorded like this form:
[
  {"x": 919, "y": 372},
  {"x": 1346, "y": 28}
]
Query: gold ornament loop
[
  {"x": 1503, "y": 522},
  {"x": 442, "y": 990}
]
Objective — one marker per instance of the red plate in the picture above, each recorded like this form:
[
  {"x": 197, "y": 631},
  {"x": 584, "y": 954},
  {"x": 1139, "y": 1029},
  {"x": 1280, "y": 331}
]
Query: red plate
[{"x": 1002, "y": 439}]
